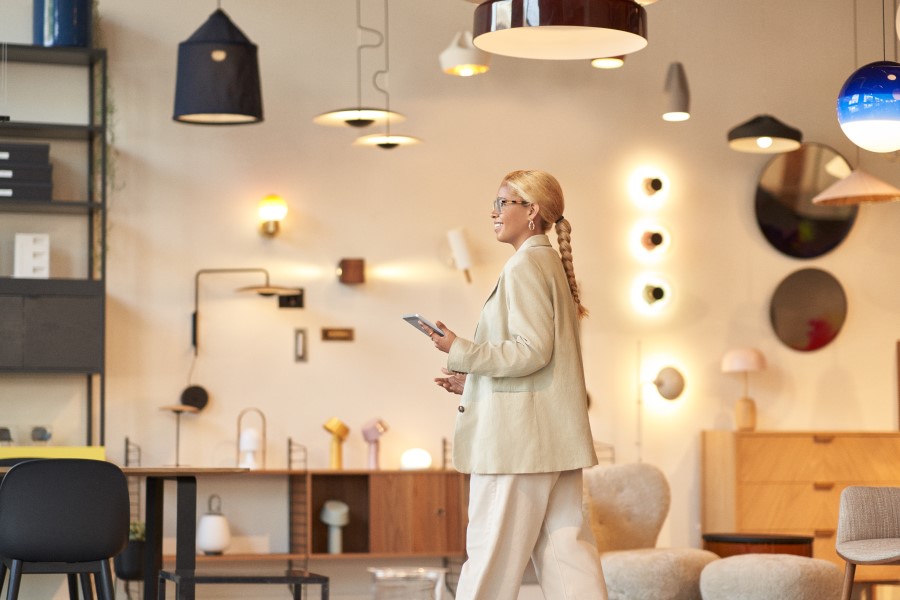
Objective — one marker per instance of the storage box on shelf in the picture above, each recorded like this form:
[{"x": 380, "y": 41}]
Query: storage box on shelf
[
  {"x": 791, "y": 482},
  {"x": 56, "y": 325}
]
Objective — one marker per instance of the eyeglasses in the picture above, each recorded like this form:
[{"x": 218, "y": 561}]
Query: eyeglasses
[{"x": 499, "y": 203}]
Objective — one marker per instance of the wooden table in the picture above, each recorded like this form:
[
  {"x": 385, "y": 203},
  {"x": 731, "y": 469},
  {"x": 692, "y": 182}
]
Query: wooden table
[{"x": 185, "y": 521}]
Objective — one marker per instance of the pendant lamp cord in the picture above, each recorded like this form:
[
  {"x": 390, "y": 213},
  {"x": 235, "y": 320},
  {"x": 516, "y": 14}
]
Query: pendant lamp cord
[
  {"x": 4, "y": 62},
  {"x": 360, "y": 28},
  {"x": 386, "y": 72}
]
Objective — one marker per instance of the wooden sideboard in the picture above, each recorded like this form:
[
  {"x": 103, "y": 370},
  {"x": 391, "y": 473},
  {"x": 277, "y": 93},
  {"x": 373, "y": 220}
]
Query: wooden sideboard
[{"x": 791, "y": 482}]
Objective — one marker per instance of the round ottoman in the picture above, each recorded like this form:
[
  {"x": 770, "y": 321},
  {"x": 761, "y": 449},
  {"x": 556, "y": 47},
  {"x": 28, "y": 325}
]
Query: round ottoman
[
  {"x": 657, "y": 573},
  {"x": 768, "y": 576}
]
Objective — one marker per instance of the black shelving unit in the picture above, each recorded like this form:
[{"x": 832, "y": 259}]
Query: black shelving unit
[{"x": 53, "y": 326}]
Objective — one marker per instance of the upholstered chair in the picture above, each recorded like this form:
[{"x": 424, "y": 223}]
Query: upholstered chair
[
  {"x": 626, "y": 506},
  {"x": 868, "y": 531}
]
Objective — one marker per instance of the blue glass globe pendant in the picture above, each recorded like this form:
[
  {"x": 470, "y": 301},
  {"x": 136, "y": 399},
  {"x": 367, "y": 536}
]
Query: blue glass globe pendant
[{"x": 868, "y": 107}]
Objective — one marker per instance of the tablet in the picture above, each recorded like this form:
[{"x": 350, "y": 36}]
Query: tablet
[{"x": 414, "y": 321}]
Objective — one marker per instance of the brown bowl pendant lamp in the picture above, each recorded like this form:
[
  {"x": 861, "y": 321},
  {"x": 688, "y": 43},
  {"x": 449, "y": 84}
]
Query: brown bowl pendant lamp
[{"x": 560, "y": 29}]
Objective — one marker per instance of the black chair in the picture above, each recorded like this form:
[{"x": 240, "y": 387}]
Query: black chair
[{"x": 63, "y": 516}]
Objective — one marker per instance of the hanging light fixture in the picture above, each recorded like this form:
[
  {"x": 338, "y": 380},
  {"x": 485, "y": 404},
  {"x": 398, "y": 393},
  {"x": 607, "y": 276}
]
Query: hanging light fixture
[
  {"x": 857, "y": 188},
  {"x": 560, "y": 29},
  {"x": 462, "y": 58},
  {"x": 386, "y": 141},
  {"x": 359, "y": 116},
  {"x": 868, "y": 105},
  {"x": 676, "y": 95},
  {"x": 608, "y": 62},
  {"x": 764, "y": 134},
  {"x": 218, "y": 76}
]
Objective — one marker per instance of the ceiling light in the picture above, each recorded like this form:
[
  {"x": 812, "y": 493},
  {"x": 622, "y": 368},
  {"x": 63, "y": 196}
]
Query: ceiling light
[
  {"x": 386, "y": 141},
  {"x": 560, "y": 29},
  {"x": 359, "y": 116},
  {"x": 676, "y": 96},
  {"x": 868, "y": 107},
  {"x": 217, "y": 82},
  {"x": 857, "y": 188},
  {"x": 764, "y": 134},
  {"x": 462, "y": 58},
  {"x": 608, "y": 62}
]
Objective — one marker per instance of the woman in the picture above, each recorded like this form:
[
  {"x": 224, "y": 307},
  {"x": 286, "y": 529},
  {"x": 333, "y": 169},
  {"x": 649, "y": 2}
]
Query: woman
[{"x": 522, "y": 430}]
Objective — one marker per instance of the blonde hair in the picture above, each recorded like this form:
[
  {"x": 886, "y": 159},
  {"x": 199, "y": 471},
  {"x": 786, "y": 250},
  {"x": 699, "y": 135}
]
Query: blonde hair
[{"x": 542, "y": 189}]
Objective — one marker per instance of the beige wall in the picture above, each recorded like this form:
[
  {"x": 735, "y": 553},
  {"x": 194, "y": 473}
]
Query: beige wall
[{"x": 186, "y": 199}]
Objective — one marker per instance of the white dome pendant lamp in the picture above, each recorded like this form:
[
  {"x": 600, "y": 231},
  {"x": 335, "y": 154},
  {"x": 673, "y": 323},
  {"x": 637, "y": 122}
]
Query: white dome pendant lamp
[{"x": 560, "y": 29}]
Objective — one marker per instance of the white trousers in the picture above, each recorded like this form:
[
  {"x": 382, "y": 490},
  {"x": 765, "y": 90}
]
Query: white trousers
[{"x": 536, "y": 515}]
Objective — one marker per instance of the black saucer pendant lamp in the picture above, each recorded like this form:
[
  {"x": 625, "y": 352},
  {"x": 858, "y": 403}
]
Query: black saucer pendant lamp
[
  {"x": 764, "y": 134},
  {"x": 218, "y": 76},
  {"x": 560, "y": 29}
]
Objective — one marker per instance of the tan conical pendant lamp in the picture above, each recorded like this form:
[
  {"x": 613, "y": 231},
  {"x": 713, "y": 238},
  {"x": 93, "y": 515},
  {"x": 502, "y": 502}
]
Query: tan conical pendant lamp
[
  {"x": 857, "y": 188},
  {"x": 359, "y": 116},
  {"x": 560, "y": 29}
]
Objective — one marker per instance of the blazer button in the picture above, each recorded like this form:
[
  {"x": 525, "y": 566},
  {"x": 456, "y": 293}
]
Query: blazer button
[{"x": 461, "y": 408}]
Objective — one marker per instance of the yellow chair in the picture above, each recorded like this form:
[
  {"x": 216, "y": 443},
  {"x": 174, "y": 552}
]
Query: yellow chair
[{"x": 868, "y": 531}]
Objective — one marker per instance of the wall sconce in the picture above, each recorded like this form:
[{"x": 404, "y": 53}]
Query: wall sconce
[
  {"x": 372, "y": 431},
  {"x": 415, "y": 458},
  {"x": 335, "y": 514},
  {"x": 352, "y": 270},
  {"x": 462, "y": 58},
  {"x": 339, "y": 432},
  {"x": 287, "y": 297},
  {"x": 651, "y": 294},
  {"x": 649, "y": 240},
  {"x": 272, "y": 211},
  {"x": 648, "y": 187},
  {"x": 669, "y": 382},
  {"x": 459, "y": 248},
  {"x": 743, "y": 361},
  {"x": 251, "y": 452}
]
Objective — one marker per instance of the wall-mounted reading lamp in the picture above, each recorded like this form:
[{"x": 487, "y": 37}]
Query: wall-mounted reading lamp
[{"x": 287, "y": 296}]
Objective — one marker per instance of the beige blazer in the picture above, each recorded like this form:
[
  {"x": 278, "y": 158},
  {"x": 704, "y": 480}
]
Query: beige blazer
[{"x": 524, "y": 405}]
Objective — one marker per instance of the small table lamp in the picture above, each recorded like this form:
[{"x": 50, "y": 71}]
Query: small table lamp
[
  {"x": 338, "y": 431},
  {"x": 335, "y": 514},
  {"x": 372, "y": 431},
  {"x": 744, "y": 360}
]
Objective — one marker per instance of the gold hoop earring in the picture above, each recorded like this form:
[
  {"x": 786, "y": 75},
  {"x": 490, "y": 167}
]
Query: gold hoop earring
[{"x": 531, "y": 225}]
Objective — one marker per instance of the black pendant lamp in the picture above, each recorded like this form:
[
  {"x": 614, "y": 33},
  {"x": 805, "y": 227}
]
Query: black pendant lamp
[
  {"x": 764, "y": 134},
  {"x": 218, "y": 76}
]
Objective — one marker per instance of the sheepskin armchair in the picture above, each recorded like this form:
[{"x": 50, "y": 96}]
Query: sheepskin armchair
[{"x": 626, "y": 506}]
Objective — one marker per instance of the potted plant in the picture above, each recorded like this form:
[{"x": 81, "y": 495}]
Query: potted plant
[{"x": 129, "y": 564}]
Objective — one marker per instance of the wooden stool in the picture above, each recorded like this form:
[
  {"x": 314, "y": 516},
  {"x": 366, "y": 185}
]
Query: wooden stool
[{"x": 731, "y": 544}]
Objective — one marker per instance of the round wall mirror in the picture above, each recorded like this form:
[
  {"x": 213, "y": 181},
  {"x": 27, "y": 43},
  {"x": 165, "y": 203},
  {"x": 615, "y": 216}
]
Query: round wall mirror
[
  {"x": 784, "y": 210},
  {"x": 808, "y": 309}
]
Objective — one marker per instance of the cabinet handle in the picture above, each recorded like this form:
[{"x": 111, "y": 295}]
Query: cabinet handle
[
  {"x": 823, "y": 439},
  {"x": 823, "y": 533},
  {"x": 823, "y": 486}
]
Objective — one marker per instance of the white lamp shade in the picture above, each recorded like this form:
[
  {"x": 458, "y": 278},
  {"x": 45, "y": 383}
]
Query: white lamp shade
[
  {"x": 742, "y": 360},
  {"x": 415, "y": 458},
  {"x": 250, "y": 440},
  {"x": 460, "y": 249},
  {"x": 335, "y": 512},
  {"x": 462, "y": 58}
]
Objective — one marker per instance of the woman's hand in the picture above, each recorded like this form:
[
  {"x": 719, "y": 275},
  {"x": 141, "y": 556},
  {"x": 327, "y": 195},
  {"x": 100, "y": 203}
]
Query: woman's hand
[
  {"x": 441, "y": 342},
  {"x": 454, "y": 382}
]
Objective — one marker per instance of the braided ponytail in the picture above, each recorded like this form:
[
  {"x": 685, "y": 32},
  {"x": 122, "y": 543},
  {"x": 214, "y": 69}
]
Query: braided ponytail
[{"x": 542, "y": 188}]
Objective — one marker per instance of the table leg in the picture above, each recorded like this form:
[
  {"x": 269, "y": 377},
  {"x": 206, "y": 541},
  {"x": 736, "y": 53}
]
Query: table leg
[
  {"x": 154, "y": 528},
  {"x": 186, "y": 536}
]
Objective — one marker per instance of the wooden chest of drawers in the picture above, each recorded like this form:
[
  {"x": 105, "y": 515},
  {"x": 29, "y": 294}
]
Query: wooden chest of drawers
[{"x": 791, "y": 482}]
